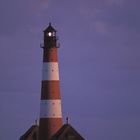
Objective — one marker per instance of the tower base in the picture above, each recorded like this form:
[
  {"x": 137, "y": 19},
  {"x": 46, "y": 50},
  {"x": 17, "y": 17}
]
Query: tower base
[{"x": 66, "y": 132}]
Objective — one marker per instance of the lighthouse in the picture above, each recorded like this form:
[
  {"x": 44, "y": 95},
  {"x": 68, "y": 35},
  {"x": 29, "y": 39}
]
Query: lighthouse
[
  {"x": 50, "y": 103},
  {"x": 50, "y": 119}
]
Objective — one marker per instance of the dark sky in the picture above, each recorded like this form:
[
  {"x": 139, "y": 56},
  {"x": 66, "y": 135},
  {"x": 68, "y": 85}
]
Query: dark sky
[{"x": 99, "y": 62}]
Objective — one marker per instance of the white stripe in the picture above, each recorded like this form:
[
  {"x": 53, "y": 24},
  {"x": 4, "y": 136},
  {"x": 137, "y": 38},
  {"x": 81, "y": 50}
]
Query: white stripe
[
  {"x": 50, "y": 109},
  {"x": 50, "y": 71}
]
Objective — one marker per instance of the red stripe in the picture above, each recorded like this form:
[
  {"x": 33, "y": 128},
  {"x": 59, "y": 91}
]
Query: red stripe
[
  {"x": 50, "y": 55},
  {"x": 50, "y": 90},
  {"x": 48, "y": 127}
]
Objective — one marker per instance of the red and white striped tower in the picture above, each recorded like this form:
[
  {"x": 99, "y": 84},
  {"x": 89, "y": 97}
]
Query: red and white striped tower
[{"x": 50, "y": 105}]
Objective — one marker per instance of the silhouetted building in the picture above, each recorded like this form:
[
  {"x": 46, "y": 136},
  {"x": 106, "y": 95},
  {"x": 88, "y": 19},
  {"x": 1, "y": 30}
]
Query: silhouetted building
[
  {"x": 66, "y": 132},
  {"x": 31, "y": 133}
]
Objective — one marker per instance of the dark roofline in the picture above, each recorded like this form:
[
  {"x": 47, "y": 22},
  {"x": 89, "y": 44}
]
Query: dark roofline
[
  {"x": 50, "y": 28},
  {"x": 32, "y": 129},
  {"x": 63, "y": 129}
]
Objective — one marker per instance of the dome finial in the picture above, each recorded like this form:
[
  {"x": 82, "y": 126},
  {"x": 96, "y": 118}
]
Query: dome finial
[
  {"x": 50, "y": 28},
  {"x": 49, "y": 23},
  {"x": 67, "y": 120}
]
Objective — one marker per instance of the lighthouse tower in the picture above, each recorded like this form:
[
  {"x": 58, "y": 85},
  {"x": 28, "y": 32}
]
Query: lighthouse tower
[
  {"x": 50, "y": 123},
  {"x": 50, "y": 103}
]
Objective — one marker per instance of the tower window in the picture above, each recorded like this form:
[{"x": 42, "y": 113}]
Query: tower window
[{"x": 49, "y": 34}]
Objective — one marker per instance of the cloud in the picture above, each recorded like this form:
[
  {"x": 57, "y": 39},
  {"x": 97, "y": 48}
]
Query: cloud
[
  {"x": 100, "y": 27},
  {"x": 16, "y": 15},
  {"x": 115, "y": 2},
  {"x": 95, "y": 7},
  {"x": 111, "y": 16},
  {"x": 44, "y": 4}
]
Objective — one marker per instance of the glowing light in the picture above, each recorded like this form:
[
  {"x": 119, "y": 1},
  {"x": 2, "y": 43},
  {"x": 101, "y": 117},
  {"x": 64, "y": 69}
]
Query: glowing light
[{"x": 49, "y": 34}]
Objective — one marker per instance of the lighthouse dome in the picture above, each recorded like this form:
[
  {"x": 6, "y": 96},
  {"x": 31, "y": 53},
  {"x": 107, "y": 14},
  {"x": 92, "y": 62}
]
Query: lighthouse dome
[{"x": 49, "y": 29}]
